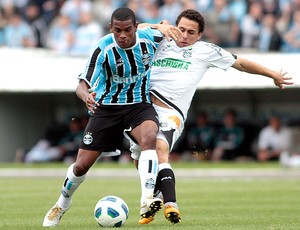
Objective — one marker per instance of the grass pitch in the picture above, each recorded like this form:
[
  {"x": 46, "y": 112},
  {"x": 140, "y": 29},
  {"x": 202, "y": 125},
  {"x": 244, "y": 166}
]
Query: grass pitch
[{"x": 204, "y": 203}]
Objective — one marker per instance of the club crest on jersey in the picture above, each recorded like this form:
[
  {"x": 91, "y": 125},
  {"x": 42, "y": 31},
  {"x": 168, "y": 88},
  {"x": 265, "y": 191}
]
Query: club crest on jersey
[
  {"x": 187, "y": 54},
  {"x": 120, "y": 62},
  {"x": 146, "y": 58},
  {"x": 87, "y": 138},
  {"x": 150, "y": 183}
]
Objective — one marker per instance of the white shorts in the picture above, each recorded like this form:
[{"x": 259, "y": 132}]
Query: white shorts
[{"x": 171, "y": 125}]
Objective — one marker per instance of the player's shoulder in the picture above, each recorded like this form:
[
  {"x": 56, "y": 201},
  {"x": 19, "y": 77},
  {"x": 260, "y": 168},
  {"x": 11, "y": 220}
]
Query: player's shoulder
[
  {"x": 207, "y": 46},
  {"x": 148, "y": 32},
  {"x": 106, "y": 41},
  {"x": 211, "y": 49}
]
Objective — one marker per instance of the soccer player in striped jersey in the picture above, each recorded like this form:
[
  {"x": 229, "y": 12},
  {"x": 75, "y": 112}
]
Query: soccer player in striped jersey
[
  {"x": 115, "y": 89},
  {"x": 176, "y": 70}
]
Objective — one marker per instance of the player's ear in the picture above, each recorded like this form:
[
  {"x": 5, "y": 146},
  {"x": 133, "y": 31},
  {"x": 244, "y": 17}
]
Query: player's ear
[
  {"x": 136, "y": 26},
  {"x": 199, "y": 36},
  {"x": 110, "y": 27}
]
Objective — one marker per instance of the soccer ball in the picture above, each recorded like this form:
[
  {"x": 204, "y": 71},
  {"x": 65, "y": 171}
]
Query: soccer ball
[{"x": 111, "y": 211}]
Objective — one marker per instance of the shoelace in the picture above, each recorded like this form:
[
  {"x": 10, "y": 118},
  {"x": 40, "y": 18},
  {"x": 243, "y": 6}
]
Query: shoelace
[{"x": 55, "y": 211}]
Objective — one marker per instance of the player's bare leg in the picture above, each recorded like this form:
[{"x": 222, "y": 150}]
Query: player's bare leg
[
  {"x": 166, "y": 183},
  {"x": 75, "y": 176}
]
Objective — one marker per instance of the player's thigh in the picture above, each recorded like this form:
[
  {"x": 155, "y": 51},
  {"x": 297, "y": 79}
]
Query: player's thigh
[
  {"x": 104, "y": 133},
  {"x": 142, "y": 124},
  {"x": 147, "y": 130},
  {"x": 171, "y": 127}
]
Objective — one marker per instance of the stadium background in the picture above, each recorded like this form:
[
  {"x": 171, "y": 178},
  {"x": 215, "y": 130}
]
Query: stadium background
[
  {"x": 37, "y": 86},
  {"x": 40, "y": 91}
]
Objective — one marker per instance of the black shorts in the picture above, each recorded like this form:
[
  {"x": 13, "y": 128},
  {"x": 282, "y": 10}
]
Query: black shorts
[{"x": 104, "y": 131}]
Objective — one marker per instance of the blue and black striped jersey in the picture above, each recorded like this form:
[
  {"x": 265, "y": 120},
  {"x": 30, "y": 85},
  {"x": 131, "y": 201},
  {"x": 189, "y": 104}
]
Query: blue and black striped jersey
[{"x": 121, "y": 76}]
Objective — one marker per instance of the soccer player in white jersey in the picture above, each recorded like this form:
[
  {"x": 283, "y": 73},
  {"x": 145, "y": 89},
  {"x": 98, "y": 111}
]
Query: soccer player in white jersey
[
  {"x": 177, "y": 68},
  {"x": 118, "y": 74}
]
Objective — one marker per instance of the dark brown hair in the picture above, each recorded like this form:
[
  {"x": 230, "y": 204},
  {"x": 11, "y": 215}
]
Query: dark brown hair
[{"x": 194, "y": 16}]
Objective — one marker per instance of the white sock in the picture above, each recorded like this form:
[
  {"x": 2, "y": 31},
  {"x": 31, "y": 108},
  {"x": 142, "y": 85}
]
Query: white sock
[
  {"x": 164, "y": 166},
  {"x": 70, "y": 185},
  {"x": 148, "y": 168}
]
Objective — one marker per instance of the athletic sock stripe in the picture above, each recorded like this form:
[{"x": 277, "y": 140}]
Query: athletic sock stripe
[
  {"x": 66, "y": 181},
  {"x": 155, "y": 167},
  {"x": 150, "y": 166}
]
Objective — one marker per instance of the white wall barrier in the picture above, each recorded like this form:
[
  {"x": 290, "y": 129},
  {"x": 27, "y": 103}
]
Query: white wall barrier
[{"x": 27, "y": 70}]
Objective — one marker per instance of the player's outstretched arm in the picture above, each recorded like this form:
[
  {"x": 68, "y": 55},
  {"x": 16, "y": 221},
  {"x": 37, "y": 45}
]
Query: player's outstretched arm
[
  {"x": 279, "y": 77},
  {"x": 168, "y": 30}
]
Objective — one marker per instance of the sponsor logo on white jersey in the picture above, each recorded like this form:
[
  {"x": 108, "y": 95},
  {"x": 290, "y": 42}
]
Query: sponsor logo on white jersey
[{"x": 172, "y": 63}]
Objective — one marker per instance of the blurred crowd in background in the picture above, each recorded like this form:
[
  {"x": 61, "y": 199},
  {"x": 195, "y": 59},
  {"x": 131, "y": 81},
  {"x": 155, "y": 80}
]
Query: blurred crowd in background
[
  {"x": 73, "y": 26},
  {"x": 230, "y": 139}
]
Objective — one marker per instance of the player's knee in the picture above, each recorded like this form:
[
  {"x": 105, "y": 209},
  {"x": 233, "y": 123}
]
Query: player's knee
[
  {"x": 80, "y": 169},
  {"x": 148, "y": 140}
]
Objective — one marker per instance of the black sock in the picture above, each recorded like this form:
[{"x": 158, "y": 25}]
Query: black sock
[
  {"x": 157, "y": 185},
  {"x": 166, "y": 183}
]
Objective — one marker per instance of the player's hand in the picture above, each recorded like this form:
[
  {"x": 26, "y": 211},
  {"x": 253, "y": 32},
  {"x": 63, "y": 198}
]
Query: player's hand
[
  {"x": 90, "y": 102},
  {"x": 165, "y": 22},
  {"x": 281, "y": 79},
  {"x": 170, "y": 31}
]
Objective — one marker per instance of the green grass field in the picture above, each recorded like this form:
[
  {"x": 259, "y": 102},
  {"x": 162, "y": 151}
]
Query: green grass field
[{"x": 204, "y": 203}]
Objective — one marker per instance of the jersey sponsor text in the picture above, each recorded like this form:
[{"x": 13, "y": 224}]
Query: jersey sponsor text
[
  {"x": 128, "y": 80},
  {"x": 172, "y": 63}
]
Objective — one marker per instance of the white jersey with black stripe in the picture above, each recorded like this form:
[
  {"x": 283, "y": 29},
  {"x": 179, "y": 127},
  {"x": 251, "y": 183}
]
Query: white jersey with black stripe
[{"x": 176, "y": 72}]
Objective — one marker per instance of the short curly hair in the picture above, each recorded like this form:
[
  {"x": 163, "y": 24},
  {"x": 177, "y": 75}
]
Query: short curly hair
[
  {"x": 123, "y": 14},
  {"x": 194, "y": 16}
]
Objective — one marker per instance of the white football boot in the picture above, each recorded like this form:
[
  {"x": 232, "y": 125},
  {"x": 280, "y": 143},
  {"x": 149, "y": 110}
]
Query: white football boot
[{"x": 54, "y": 215}]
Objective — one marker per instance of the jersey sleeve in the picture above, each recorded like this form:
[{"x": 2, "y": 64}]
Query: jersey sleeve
[
  {"x": 219, "y": 57},
  {"x": 94, "y": 67},
  {"x": 153, "y": 35}
]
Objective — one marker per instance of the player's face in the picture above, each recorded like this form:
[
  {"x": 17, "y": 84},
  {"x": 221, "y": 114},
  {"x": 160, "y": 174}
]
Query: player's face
[
  {"x": 124, "y": 33},
  {"x": 190, "y": 32}
]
